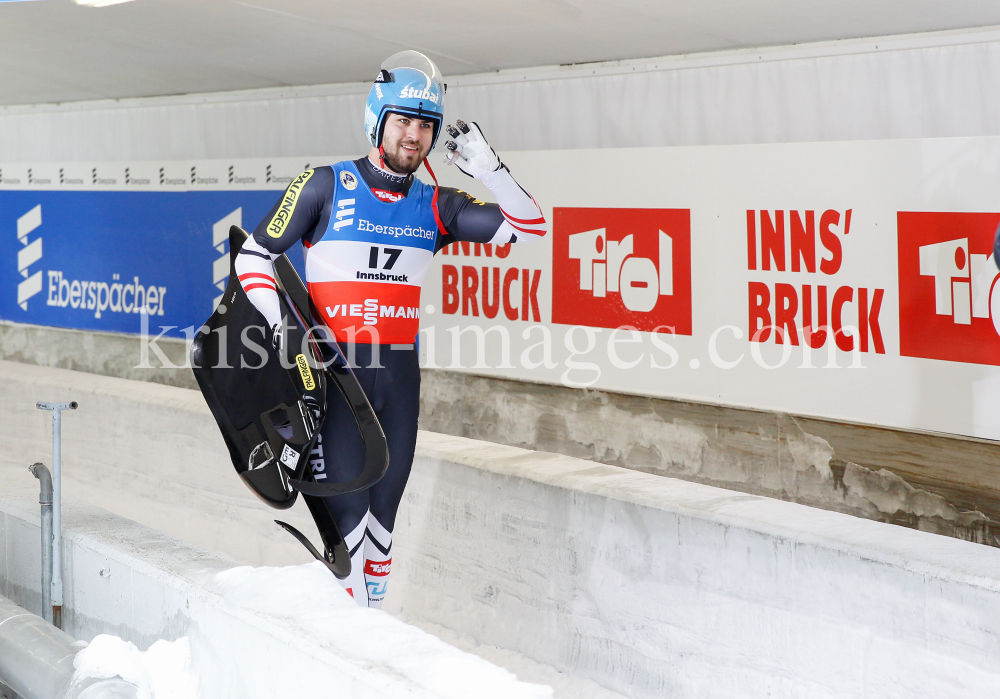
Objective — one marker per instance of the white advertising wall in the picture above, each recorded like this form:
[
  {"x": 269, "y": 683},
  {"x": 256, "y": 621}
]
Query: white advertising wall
[
  {"x": 872, "y": 260},
  {"x": 851, "y": 281}
]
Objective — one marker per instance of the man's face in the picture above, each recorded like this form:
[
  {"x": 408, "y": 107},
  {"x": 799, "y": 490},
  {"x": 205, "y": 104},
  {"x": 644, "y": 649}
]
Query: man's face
[{"x": 406, "y": 141}]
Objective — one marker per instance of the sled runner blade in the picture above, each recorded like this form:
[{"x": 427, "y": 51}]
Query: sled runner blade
[{"x": 340, "y": 566}]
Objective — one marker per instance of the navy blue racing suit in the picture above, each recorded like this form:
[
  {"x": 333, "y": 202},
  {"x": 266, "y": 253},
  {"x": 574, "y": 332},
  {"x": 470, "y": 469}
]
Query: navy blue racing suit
[{"x": 368, "y": 245}]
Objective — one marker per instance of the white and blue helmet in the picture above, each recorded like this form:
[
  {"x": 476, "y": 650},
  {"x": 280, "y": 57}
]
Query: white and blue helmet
[{"x": 409, "y": 83}]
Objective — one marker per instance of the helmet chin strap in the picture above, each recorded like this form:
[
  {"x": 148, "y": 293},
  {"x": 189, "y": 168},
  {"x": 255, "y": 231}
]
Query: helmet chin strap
[{"x": 434, "y": 199}]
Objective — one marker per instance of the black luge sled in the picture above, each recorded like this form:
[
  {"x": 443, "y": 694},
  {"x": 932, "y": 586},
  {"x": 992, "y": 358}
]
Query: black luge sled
[{"x": 270, "y": 408}]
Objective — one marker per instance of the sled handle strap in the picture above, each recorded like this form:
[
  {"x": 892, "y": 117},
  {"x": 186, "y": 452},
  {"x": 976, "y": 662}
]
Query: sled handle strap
[
  {"x": 338, "y": 370},
  {"x": 376, "y": 447}
]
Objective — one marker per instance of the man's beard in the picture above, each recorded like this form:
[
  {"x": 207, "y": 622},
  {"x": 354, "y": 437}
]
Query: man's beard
[{"x": 394, "y": 163}]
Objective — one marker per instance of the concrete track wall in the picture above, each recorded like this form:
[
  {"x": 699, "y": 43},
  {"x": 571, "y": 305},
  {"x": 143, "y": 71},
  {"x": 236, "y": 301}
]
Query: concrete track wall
[
  {"x": 647, "y": 585},
  {"x": 261, "y": 633},
  {"x": 657, "y": 587},
  {"x": 932, "y": 482}
]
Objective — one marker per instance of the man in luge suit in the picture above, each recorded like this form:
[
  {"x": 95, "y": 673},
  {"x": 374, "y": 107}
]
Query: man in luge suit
[{"x": 370, "y": 230}]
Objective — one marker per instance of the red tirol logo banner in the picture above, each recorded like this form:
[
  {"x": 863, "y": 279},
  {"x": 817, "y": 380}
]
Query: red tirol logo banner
[
  {"x": 622, "y": 267},
  {"x": 949, "y": 304}
]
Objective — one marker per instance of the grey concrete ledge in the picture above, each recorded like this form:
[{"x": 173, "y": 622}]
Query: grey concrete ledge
[
  {"x": 902, "y": 548},
  {"x": 95, "y": 352},
  {"x": 932, "y": 482}
]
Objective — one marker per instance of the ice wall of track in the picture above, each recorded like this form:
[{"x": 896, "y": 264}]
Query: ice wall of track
[{"x": 647, "y": 585}]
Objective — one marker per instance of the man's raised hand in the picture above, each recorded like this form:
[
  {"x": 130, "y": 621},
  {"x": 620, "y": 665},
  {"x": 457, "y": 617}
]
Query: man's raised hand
[{"x": 470, "y": 151}]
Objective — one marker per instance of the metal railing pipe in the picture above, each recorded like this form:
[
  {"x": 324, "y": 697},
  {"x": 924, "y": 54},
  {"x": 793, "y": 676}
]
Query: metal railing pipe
[
  {"x": 45, "y": 499},
  {"x": 57, "y": 581},
  {"x": 36, "y": 660}
]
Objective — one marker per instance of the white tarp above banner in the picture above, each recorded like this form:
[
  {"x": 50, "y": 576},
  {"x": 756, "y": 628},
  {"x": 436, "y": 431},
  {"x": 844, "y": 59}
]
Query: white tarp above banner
[{"x": 918, "y": 86}]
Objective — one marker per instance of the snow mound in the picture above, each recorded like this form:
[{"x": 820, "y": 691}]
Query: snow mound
[
  {"x": 162, "y": 672},
  {"x": 310, "y": 603}
]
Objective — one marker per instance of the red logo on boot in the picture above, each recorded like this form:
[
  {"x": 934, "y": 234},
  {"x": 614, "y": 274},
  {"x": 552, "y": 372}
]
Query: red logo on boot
[{"x": 377, "y": 568}]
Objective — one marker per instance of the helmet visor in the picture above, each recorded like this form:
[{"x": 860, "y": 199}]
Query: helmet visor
[{"x": 417, "y": 61}]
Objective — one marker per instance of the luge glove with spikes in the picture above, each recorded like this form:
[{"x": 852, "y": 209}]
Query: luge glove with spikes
[{"x": 469, "y": 150}]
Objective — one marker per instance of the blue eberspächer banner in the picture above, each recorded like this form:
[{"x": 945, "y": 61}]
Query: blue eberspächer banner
[{"x": 88, "y": 258}]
